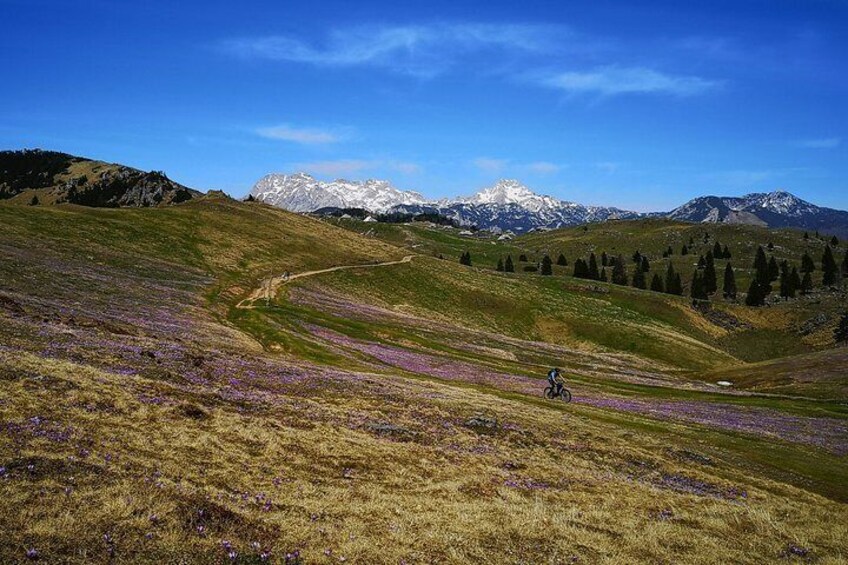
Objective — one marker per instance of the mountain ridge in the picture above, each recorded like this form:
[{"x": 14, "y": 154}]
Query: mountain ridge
[{"x": 509, "y": 205}]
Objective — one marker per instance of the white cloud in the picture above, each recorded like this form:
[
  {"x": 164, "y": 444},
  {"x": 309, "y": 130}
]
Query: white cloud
[
  {"x": 821, "y": 143},
  {"x": 424, "y": 50},
  {"x": 306, "y": 136},
  {"x": 489, "y": 165},
  {"x": 543, "y": 167},
  {"x": 615, "y": 80}
]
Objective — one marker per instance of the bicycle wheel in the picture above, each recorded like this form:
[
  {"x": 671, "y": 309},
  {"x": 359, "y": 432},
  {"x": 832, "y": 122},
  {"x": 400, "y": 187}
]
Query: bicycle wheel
[
  {"x": 549, "y": 393},
  {"x": 565, "y": 395}
]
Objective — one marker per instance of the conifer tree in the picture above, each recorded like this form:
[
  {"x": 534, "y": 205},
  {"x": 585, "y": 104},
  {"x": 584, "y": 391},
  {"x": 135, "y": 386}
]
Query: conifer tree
[
  {"x": 619, "y": 272},
  {"x": 657, "y": 283},
  {"x": 581, "y": 270},
  {"x": 834, "y": 241},
  {"x": 785, "y": 282},
  {"x": 670, "y": 251},
  {"x": 465, "y": 259},
  {"x": 670, "y": 280},
  {"x": 562, "y": 261},
  {"x": 794, "y": 281},
  {"x": 702, "y": 262},
  {"x": 637, "y": 257},
  {"x": 717, "y": 251},
  {"x": 500, "y": 266},
  {"x": 697, "y": 290},
  {"x": 807, "y": 265},
  {"x": 593, "y": 268},
  {"x": 773, "y": 269},
  {"x": 508, "y": 266},
  {"x": 725, "y": 253},
  {"x": 646, "y": 265},
  {"x": 604, "y": 259},
  {"x": 829, "y": 268},
  {"x": 684, "y": 250},
  {"x": 807, "y": 284},
  {"x": 547, "y": 266},
  {"x": 34, "y": 201},
  {"x": 710, "y": 283},
  {"x": 603, "y": 274},
  {"x": 760, "y": 262},
  {"x": 840, "y": 334},
  {"x": 729, "y": 289},
  {"x": 639, "y": 278}
]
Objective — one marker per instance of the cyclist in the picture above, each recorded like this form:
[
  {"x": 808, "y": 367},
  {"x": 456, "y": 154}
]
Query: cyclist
[{"x": 556, "y": 381}]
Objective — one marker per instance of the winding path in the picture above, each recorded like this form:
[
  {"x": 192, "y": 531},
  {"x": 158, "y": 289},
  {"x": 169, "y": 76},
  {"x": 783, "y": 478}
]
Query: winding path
[{"x": 269, "y": 287}]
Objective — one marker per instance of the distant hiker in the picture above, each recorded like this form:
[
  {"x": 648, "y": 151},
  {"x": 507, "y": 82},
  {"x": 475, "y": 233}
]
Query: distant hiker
[
  {"x": 286, "y": 276},
  {"x": 556, "y": 381}
]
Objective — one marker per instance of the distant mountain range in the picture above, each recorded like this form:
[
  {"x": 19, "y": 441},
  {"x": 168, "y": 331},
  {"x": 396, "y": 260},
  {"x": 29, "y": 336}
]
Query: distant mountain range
[{"x": 511, "y": 206}]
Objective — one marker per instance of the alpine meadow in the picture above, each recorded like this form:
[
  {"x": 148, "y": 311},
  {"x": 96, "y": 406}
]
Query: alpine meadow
[{"x": 285, "y": 357}]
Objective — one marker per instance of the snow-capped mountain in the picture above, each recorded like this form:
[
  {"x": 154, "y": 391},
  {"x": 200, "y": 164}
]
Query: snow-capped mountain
[
  {"x": 776, "y": 209},
  {"x": 508, "y": 205},
  {"x": 302, "y": 193}
]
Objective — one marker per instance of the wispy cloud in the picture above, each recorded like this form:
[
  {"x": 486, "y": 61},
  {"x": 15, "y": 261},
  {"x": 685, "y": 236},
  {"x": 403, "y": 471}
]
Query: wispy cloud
[
  {"x": 351, "y": 167},
  {"x": 615, "y": 80},
  {"x": 306, "y": 136},
  {"x": 423, "y": 50},
  {"x": 820, "y": 143},
  {"x": 543, "y": 168},
  {"x": 489, "y": 165}
]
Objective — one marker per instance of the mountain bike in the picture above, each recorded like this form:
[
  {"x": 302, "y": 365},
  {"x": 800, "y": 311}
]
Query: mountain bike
[{"x": 564, "y": 395}]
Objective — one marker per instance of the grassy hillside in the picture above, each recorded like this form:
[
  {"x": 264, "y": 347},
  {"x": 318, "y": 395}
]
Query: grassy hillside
[{"x": 150, "y": 414}]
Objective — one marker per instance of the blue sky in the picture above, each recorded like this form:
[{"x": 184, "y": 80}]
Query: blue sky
[{"x": 598, "y": 102}]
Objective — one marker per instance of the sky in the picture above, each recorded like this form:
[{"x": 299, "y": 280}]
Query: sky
[{"x": 641, "y": 105}]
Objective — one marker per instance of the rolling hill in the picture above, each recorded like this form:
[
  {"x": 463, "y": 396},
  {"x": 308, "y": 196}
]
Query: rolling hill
[{"x": 169, "y": 394}]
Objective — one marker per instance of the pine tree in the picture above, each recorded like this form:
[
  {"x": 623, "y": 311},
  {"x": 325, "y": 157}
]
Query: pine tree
[
  {"x": 619, "y": 272},
  {"x": 637, "y": 257},
  {"x": 829, "y": 268},
  {"x": 785, "y": 282},
  {"x": 725, "y": 253},
  {"x": 702, "y": 262},
  {"x": 770, "y": 246},
  {"x": 710, "y": 283},
  {"x": 729, "y": 289},
  {"x": 670, "y": 251},
  {"x": 773, "y": 269},
  {"x": 834, "y": 241},
  {"x": 755, "y": 296},
  {"x": 807, "y": 284},
  {"x": 697, "y": 290},
  {"x": 807, "y": 265},
  {"x": 717, "y": 251},
  {"x": 508, "y": 266},
  {"x": 593, "y": 268},
  {"x": 840, "y": 334},
  {"x": 760, "y": 262},
  {"x": 562, "y": 261},
  {"x": 671, "y": 280},
  {"x": 547, "y": 266},
  {"x": 684, "y": 250},
  {"x": 646, "y": 266},
  {"x": 603, "y": 274},
  {"x": 34, "y": 201},
  {"x": 806, "y": 236},
  {"x": 581, "y": 270},
  {"x": 794, "y": 281},
  {"x": 604, "y": 259},
  {"x": 500, "y": 266},
  {"x": 465, "y": 259},
  {"x": 639, "y": 278},
  {"x": 657, "y": 283}
]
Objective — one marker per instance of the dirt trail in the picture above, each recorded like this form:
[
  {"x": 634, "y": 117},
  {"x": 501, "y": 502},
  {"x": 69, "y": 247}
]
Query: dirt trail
[{"x": 269, "y": 287}]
